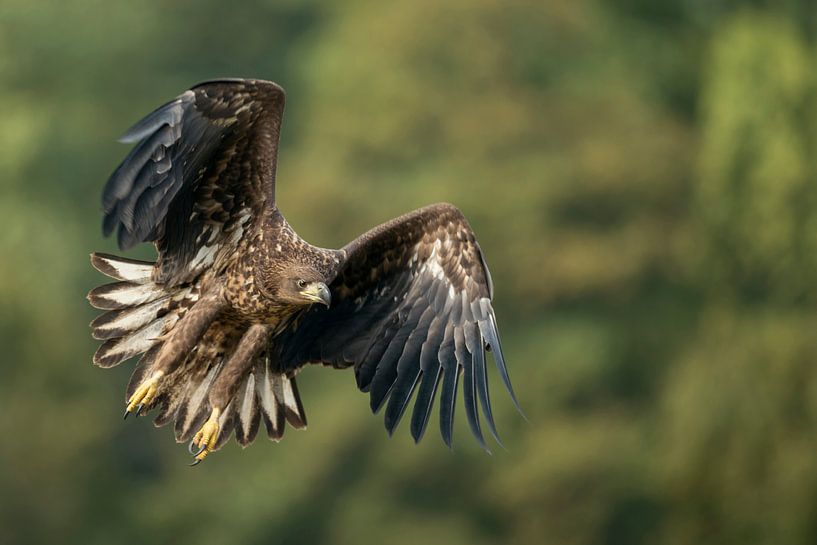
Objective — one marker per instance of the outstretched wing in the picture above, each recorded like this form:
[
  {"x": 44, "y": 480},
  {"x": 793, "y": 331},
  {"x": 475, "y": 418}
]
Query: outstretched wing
[
  {"x": 202, "y": 171},
  {"x": 411, "y": 307}
]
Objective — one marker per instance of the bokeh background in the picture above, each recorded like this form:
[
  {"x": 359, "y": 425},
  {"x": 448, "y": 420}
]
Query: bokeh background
[{"x": 640, "y": 174}]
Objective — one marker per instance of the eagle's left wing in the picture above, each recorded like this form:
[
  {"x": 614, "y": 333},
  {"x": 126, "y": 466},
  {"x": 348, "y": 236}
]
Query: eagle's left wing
[
  {"x": 202, "y": 170},
  {"x": 411, "y": 306}
]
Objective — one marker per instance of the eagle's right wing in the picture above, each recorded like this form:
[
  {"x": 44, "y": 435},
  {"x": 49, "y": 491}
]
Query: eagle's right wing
[
  {"x": 203, "y": 170},
  {"x": 411, "y": 310}
]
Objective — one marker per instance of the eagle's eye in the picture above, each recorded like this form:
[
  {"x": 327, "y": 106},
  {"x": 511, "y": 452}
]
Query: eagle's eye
[{"x": 302, "y": 283}]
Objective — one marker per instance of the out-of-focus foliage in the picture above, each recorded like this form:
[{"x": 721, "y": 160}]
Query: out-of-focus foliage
[
  {"x": 641, "y": 176},
  {"x": 756, "y": 186}
]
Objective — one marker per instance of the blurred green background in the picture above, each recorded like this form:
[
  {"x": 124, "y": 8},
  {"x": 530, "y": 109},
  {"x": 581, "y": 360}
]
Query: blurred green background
[{"x": 641, "y": 177}]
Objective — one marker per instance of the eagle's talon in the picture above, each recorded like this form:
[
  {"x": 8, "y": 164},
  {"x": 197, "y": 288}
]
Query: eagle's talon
[
  {"x": 144, "y": 394},
  {"x": 206, "y": 437}
]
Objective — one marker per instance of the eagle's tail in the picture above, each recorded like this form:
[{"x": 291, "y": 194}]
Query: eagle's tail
[
  {"x": 140, "y": 313},
  {"x": 263, "y": 395}
]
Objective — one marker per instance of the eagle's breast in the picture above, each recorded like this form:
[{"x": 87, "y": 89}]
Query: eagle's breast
[{"x": 244, "y": 285}]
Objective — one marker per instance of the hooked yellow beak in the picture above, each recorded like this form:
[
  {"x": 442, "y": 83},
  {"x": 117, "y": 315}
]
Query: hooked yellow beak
[{"x": 317, "y": 292}]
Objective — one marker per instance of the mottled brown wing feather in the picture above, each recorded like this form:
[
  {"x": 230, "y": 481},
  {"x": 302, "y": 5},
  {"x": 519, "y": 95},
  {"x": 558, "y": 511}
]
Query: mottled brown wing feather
[
  {"x": 202, "y": 170},
  {"x": 411, "y": 307}
]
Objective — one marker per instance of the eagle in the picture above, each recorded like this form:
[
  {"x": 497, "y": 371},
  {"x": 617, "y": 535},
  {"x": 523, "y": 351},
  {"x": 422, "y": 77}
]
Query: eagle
[{"x": 236, "y": 303}]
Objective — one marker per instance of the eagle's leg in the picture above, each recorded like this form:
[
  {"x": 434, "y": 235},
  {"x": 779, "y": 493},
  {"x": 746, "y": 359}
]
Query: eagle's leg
[
  {"x": 223, "y": 388},
  {"x": 181, "y": 341}
]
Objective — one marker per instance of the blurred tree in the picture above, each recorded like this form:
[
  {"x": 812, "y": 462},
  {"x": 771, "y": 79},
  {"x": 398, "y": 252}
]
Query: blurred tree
[
  {"x": 736, "y": 462},
  {"x": 640, "y": 176},
  {"x": 756, "y": 192}
]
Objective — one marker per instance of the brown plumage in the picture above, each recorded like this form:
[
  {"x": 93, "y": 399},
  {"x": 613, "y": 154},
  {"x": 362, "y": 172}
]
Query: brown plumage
[{"x": 227, "y": 315}]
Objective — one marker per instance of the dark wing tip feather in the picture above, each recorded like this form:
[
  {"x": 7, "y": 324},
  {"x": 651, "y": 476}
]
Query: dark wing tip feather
[
  {"x": 110, "y": 221},
  {"x": 378, "y": 399},
  {"x": 125, "y": 239},
  {"x": 481, "y": 384},
  {"x": 492, "y": 337},
  {"x": 386, "y": 374},
  {"x": 424, "y": 402},
  {"x": 399, "y": 399},
  {"x": 469, "y": 382},
  {"x": 408, "y": 371},
  {"x": 431, "y": 371},
  {"x": 169, "y": 113},
  {"x": 448, "y": 399}
]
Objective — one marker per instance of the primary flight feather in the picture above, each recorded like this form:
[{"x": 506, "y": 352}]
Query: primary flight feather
[{"x": 237, "y": 303}]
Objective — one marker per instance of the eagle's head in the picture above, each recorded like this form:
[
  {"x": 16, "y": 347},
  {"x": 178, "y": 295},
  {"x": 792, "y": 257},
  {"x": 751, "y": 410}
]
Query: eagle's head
[{"x": 301, "y": 285}]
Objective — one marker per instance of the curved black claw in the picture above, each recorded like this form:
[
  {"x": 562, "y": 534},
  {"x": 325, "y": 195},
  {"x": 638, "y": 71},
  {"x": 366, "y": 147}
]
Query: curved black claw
[
  {"x": 195, "y": 462},
  {"x": 127, "y": 412},
  {"x": 192, "y": 445},
  {"x": 138, "y": 410}
]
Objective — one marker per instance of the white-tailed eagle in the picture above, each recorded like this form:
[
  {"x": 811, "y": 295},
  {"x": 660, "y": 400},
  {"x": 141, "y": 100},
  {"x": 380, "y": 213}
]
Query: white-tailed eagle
[{"x": 237, "y": 303}]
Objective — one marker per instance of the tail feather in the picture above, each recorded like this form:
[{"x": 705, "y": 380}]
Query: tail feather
[
  {"x": 173, "y": 394},
  {"x": 193, "y": 407},
  {"x": 286, "y": 391},
  {"x": 247, "y": 409},
  {"x": 279, "y": 401},
  {"x": 262, "y": 395},
  {"x": 270, "y": 405}
]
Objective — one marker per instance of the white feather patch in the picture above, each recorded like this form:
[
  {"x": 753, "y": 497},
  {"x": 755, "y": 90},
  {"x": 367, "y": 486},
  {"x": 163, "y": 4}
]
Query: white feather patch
[
  {"x": 124, "y": 294},
  {"x": 137, "y": 342},
  {"x": 247, "y": 407},
  {"x": 134, "y": 319},
  {"x": 267, "y": 396},
  {"x": 288, "y": 395},
  {"x": 121, "y": 269},
  {"x": 205, "y": 257},
  {"x": 432, "y": 264}
]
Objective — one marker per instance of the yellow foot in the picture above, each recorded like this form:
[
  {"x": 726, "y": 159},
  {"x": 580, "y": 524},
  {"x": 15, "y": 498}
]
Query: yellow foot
[
  {"x": 205, "y": 439},
  {"x": 144, "y": 394}
]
